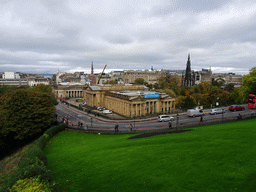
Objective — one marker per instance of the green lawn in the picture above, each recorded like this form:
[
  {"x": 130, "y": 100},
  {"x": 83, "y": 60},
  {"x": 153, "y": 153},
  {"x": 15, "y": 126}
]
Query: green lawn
[{"x": 209, "y": 158}]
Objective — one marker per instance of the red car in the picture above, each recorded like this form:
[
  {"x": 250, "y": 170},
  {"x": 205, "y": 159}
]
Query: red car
[{"x": 236, "y": 108}]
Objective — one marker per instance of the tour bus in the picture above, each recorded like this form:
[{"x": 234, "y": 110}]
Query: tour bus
[
  {"x": 251, "y": 101},
  {"x": 195, "y": 112}
]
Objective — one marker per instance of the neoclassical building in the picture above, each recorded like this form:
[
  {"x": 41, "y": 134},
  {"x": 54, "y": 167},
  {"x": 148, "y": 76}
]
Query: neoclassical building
[
  {"x": 129, "y": 100},
  {"x": 69, "y": 91}
]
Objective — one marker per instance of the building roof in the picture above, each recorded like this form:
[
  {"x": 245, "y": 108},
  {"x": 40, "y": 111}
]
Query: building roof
[
  {"x": 95, "y": 88},
  {"x": 69, "y": 84}
]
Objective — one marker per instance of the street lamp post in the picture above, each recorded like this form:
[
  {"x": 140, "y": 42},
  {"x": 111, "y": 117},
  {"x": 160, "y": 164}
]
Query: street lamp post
[
  {"x": 177, "y": 126},
  {"x": 134, "y": 123},
  {"x": 67, "y": 119},
  {"x": 222, "y": 115},
  {"x": 91, "y": 122}
]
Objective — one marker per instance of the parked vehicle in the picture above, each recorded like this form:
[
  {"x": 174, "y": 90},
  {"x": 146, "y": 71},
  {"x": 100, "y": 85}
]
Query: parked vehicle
[
  {"x": 216, "y": 111},
  {"x": 100, "y": 108},
  {"x": 106, "y": 111},
  {"x": 162, "y": 118},
  {"x": 195, "y": 112},
  {"x": 236, "y": 108}
]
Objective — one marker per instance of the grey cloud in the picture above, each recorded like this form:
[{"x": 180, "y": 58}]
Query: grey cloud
[
  {"x": 118, "y": 39},
  {"x": 188, "y": 6},
  {"x": 126, "y": 35}
]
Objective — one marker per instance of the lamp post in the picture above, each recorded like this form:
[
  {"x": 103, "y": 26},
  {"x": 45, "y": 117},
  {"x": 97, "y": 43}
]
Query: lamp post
[
  {"x": 177, "y": 126},
  {"x": 91, "y": 122},
  {"x": 223, "y": 111},
  {"x": 134, "y": 123},
  {"x": 67, "y": 119}
]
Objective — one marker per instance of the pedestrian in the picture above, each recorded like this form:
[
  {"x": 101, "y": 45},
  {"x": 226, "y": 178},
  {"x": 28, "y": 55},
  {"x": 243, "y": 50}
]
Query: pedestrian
[
  {"x": 201, "y": 119},
  {"x": 79, "y": 124},
  {"x": 131, "y": 126},
  {"x": 239, "y": 116},
  {"x": 170, "y": 124},
  {"x": 252, "y": 114},
  {"x": 117, "y": 126}
]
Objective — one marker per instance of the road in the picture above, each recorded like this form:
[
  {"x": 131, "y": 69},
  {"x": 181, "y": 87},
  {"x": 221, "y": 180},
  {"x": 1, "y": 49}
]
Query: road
[{"x": 74, "y": 116}]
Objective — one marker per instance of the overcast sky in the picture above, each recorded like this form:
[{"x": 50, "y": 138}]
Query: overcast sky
[{"x": 39, "y": 36}]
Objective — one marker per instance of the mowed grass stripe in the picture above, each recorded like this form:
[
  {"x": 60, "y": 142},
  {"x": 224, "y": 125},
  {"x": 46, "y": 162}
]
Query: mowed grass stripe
[{"x": 210, "y": 158}]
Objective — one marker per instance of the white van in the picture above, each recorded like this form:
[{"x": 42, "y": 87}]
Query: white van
[
  {"x": 163, "y": 118},
  {"x": 195, "y": 112}
]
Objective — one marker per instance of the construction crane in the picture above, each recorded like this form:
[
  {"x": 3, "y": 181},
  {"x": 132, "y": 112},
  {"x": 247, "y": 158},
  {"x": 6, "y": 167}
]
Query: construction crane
[{"x": 102, "y": 73}]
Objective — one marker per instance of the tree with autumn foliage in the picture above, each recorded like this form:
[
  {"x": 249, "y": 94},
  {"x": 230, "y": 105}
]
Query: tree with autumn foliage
[{"x": 25, "y": 112}]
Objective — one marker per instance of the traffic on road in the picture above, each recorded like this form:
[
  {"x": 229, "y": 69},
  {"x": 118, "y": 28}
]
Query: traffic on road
[{"x": 74, "y": 116}]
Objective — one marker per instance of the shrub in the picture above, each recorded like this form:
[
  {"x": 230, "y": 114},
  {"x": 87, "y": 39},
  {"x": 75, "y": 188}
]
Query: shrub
[
  {"x": 30, "y": 185},
  {"x": 34, "y": 161}
]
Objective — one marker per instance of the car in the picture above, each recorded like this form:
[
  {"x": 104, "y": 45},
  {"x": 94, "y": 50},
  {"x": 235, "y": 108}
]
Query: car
[
  {"x": 162, "y": 118},
  {"x": 106, "y": 111},
  {"x": 236, "y": 108},
  {"x": 100, "y": 108},
  {"x": 216, "y": 111}
]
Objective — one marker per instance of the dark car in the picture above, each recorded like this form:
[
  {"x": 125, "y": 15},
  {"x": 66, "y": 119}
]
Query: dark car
[{"x": 236, "y": 108}]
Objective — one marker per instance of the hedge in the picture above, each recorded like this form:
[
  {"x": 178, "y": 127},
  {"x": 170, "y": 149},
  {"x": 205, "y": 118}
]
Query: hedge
[{"x": 34, "y": 162}]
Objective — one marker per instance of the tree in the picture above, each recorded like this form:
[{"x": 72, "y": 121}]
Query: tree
[
  {"x": 163, "y": 82},
  {"x": 218, "y": 82},
  {"x": 140, "y": 81},
  {"x": 25, "y": 112},
  {"x": 188, "y": 102},
  {"x": 170, "y": 92},
  {"x": 46, "y": 89},
  {"x": 218, "y": 95},
  {"x": 113, "y": 82}
]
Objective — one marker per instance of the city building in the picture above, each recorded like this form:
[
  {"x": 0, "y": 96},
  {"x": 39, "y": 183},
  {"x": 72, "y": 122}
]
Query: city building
[
  {"x": 10, "y": 75},
  {"x": 69, "y": 90},
  {"x": 129, "y": 76},
  {"x": 129, "y": 100},
  {"x": 229, "y": 78},
  {"x": 32, "y": 81},
  {"x": 205, "y": 75}
]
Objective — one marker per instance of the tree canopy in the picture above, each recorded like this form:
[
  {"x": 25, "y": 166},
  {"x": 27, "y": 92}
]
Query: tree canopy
[{"x": 24, "y": 112}]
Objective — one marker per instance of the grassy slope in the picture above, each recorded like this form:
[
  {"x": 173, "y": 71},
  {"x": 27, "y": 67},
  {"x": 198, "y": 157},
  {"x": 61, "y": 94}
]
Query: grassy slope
[
  {"x": 210, "y": 158},
  {"x": 9, "y": 164}
]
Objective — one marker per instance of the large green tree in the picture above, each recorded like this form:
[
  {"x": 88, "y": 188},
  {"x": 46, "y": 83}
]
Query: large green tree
[
  {"x": 248, "y": 86},
  {"x": 25, "y": 112}
]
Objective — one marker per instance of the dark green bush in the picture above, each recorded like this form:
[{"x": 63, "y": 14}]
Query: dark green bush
[{"x": 34, "y": 161}]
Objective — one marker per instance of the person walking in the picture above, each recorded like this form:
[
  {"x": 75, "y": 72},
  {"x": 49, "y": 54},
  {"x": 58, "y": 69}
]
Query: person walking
[
  {"x": 116, "y": 127},
  {"x": 170, "y": 124},
  {"x": 131, "y": 126},
  {"x": 201, "y": 119}
]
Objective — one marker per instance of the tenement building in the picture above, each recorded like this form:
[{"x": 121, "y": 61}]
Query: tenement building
[{"x": 129, "y": 100}]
